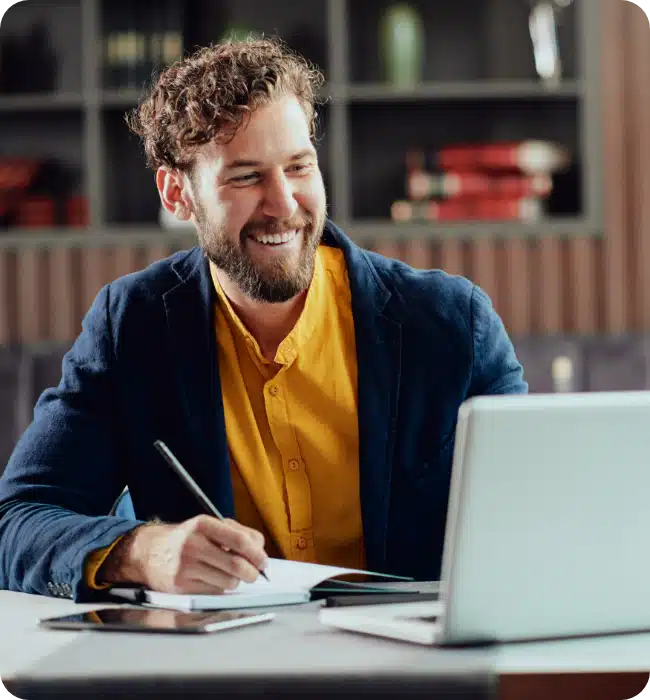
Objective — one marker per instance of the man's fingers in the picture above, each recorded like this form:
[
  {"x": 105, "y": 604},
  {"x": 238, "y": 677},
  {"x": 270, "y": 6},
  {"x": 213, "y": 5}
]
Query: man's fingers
[
  {"x": 230, "y": 563},
  {"x": 255, "y": 535},
  {"x": 233, "y": 539},
  {"x": 206, "y": 579}
]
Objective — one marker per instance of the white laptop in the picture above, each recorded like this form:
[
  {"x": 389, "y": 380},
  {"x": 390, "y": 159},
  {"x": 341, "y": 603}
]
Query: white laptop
[{"x": 548, "y": 528}]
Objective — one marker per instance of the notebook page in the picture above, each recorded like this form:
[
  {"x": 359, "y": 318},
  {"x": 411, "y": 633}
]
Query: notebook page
[{"x": 291, "y": 576}]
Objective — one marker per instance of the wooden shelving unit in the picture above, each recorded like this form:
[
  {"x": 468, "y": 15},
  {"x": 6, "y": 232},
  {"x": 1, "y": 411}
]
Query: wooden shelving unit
[{"x": 367, "y": 125}]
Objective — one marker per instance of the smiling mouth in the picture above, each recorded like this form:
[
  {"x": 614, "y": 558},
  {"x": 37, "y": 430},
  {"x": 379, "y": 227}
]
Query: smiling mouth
[{"x": 276, "y": 239}]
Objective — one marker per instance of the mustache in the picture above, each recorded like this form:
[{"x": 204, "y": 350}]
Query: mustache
[{"x": 273, "y": 226}]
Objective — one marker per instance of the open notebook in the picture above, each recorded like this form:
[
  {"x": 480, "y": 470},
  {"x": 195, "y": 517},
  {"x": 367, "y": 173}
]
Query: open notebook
[{"x": 289, "y": 582}]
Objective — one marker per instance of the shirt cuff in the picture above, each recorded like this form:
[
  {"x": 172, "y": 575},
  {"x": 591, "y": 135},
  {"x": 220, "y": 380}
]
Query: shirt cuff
[{"x": 93, "y": 562}]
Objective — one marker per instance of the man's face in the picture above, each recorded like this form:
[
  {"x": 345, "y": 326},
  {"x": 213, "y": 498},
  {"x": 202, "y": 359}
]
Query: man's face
[{"x": 259, "y": 203}]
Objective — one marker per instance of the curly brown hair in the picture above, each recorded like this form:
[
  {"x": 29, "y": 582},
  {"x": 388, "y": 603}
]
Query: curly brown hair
[{"x": 207, "y": 96}]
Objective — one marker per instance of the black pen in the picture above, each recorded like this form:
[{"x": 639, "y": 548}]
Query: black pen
[{"x": 190, "y": 483}]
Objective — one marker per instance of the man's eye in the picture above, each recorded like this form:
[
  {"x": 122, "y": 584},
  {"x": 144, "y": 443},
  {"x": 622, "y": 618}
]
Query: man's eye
[
  {"x": 249, "y": 177},
  {"x": 299, "y": 167}
]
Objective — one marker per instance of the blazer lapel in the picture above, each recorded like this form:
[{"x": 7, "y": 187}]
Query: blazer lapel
[
  {"x": 190, "y": 325},
  {"x": 379, "y": 351}
]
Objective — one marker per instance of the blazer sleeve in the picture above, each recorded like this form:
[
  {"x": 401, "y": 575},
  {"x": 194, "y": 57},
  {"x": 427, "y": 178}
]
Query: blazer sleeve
[
  {"x": 64, "y": 474},
  {"x": 495, "y": 367}
]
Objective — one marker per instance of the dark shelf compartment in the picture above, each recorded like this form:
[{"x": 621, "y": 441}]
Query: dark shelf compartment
[
  {"x": 130, "y": 193},
  {"x": 23, "y": 135},
  {"x": 378, "y": 156},
  {"x": 464, "y": 40},
  {"x": 143, "y": 33},
  {"x": 40, "y": 48},
  {"x": 57, "y": 154},
  {"x": 302, "y": 25}
]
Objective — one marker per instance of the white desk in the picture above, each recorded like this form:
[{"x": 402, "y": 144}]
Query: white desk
[
  {"x": 22, "y": 642},
  {"x": 295, "y": 643}
]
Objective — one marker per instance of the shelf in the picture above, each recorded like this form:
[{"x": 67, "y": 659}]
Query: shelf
[
  {"x": 42, "y": 102},
  {"x": 362, "y": 231},
  {"x": 126, "y": 97},
  {"x": 130, "y": 97},
  {"x": 104, "y": 237},
  {"x": 368, "y": 230},
  {"x": 358, "y": 92},
  {"x": 474, "y": 90}
]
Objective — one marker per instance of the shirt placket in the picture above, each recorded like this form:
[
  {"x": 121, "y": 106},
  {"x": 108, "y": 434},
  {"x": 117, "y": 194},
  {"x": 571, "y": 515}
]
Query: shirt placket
[{"x": 298, "y": 488}]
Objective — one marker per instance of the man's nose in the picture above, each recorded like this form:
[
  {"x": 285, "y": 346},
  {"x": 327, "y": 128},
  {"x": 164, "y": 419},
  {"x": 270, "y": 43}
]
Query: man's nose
[{"x": 279, "y": 201}]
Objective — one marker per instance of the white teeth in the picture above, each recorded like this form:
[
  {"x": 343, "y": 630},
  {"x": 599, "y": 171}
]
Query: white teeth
[{"x": 277, "y": 237}]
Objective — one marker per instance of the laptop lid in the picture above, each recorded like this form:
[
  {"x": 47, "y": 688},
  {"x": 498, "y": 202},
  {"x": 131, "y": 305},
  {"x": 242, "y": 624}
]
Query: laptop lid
[{"x": 548, "y": 531}]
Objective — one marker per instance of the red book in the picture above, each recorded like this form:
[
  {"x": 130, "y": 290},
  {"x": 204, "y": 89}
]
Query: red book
[
  {"x": 36, "y": 212},
  {"x": 481, "y": 209},
  {"x": 77, "y": 211},
  {"x": 527, "y": 156},
  {"x": 532, "y": 156},
  {"x": 16, "y": 173},
  {"x": 425, "y": 185}
]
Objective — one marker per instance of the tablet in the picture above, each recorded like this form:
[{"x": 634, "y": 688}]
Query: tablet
[{"x": 155, "y": 620}]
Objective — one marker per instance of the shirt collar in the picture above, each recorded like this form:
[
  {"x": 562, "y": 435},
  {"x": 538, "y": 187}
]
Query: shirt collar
[{"x": 299, "y": 335}]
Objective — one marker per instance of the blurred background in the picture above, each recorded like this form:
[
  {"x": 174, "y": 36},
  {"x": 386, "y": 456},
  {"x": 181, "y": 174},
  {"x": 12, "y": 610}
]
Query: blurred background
[{"x": 505, "y": 140}]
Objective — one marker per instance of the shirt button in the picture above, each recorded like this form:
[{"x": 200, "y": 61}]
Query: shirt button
[
  {"x": 273, "y": 390},
  {"x": 301, "y": 542},
  {"x": 294, "y": 465}
]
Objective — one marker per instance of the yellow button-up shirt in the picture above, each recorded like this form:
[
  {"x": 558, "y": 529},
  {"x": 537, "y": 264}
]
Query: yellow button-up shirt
[{"x": 292, "y": 424}]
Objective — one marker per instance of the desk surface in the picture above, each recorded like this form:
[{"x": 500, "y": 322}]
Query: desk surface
[{"x": 295, "y": 642}]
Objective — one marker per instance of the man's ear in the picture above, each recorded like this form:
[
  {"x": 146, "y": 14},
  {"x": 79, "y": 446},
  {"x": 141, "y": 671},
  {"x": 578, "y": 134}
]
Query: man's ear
[{"x": 174, "y": 193}]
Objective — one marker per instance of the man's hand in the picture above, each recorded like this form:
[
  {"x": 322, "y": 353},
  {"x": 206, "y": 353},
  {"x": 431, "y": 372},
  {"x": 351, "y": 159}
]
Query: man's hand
[{"x": 201, "y": 555}]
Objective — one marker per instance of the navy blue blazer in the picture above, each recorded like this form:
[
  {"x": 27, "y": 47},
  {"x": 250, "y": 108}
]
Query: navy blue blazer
[{"x": 144, "y": 367}]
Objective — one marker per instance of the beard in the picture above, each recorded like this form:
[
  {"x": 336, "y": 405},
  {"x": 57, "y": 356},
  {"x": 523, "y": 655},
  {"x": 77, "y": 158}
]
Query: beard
[{"x": 277, "y": 279}]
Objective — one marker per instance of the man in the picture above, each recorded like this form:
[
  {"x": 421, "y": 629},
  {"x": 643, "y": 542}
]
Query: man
[{"x": 310, "y": 387}]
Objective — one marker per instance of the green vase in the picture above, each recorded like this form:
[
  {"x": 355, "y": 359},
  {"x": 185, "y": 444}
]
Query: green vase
[
  {"x": 238, "y": 33},
  {"x": 401, "y": 44}
]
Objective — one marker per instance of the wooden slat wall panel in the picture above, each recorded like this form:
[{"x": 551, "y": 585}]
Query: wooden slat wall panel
[
  {"x": 483, "y": 268},
  {"x": 451, "y": 258},
  {"x": 126, "y": 261},
  {"x": 550, "y": 286},
  {"x": 637, "y": 81},
  {"x": 419, "y": 254},
  {"x": 28, "y": 295},
  {"x": 391, "y": 249},
  {"x": 516, "y": 301},
  {"x": 614, "y": 280},
  {"x": 580, "y": 309},
  {"x": 154, "y": 253},
  {"x": 64, "y": 323},
  {"x": 92, "y": 274},
  {"x": 7, "y": 299},
  {"x": 547, "y": 266}
]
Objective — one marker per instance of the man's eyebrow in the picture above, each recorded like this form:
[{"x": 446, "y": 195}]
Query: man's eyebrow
[{"x": 242, "y": 163}]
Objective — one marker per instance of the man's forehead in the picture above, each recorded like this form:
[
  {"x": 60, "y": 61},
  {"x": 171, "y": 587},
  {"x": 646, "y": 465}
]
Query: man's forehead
[{"x": 254, "y": 152}]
